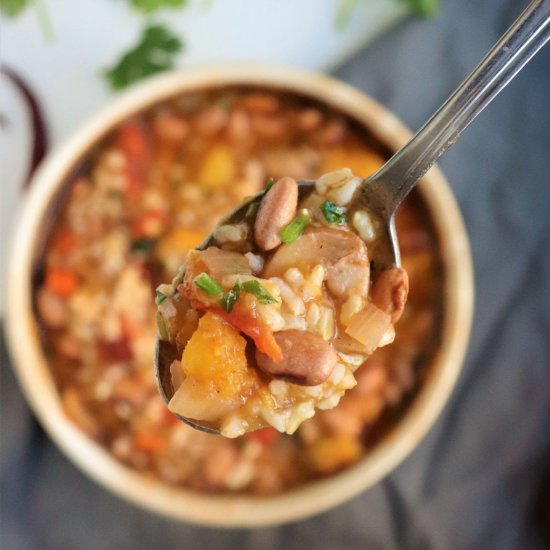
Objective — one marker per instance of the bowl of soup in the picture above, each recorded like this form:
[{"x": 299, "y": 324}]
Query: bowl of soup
[{"x": 114, "y": 211}]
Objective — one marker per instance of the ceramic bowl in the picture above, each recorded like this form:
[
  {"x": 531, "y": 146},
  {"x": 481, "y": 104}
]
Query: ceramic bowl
[{"x": 31, "y": 365}]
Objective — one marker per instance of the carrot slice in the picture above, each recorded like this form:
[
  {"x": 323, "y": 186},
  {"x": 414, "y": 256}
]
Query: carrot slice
[
  {"x": 61, "y": 281},
  {"x": 149, "y": 442}
]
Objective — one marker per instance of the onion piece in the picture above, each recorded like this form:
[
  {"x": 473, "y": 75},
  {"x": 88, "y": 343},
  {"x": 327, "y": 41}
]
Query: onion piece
[
  {"x": 200, "y": 401},
  {"x": 368, "y": 326},
  {"x": 323, "y": 246},
  {"x": 220, "y": 262}
]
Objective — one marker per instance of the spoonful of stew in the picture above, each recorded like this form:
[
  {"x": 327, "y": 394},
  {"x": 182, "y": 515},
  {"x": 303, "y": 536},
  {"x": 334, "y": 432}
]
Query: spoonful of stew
[{"x": 269, "y": 318}]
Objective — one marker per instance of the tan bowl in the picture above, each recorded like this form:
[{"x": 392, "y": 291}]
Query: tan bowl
[{"x": 31, "y": 366}]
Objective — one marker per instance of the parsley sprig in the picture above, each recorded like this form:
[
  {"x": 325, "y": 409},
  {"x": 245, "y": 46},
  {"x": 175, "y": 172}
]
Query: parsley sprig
[
  {"x": 253, "y": 287},
  {"x": 149, "y": 6},
  {"x": 155, "y": 52},
  {"x": 333, "y": 213}
]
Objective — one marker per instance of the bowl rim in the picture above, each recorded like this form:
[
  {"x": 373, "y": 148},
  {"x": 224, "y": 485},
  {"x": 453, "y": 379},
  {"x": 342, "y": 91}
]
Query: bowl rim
[{"x": 234, "y": 511}]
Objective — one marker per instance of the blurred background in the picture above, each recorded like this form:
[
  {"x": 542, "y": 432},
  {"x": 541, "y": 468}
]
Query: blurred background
[{"x": 481, "y": 478}]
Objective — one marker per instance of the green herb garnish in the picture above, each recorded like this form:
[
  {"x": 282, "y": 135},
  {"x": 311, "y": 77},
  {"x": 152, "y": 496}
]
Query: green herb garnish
[
  {"x": 427, "y": 8},
  {"x": 159, "y": 297},
  {"x": 333, "y": 213},
  {"x": 13, "y": 8},
  {"x": 268, "y": 185},
  {"x": 207, "y": 284},
  {"x": 149, "y": 6},
  {"x": 291, "y": 231},
  {"x": 155, "y": 52},
  {"x": 143, "y": 245},
  {"x": 255, "y": 288},
  {"x": 229, "y": 299}
]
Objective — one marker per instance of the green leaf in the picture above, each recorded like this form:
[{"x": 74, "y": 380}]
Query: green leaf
[
  {"x": 143, "y": 245},
  {"x": 229, "y": 300},
  {"x": 344, "y": 13},
  {"x": 159, "y": 297},
  {"x": 207, "y": 284},
  {"x": 149, "y": 6},
  {"x": 269, "y": 185},
  {"x": 427, "y": 8},
  {"x": 291, "y": 231},
  {"x": 254, "y": 287},
  {"x": 12, "y": 8},
  {"x": 333, "y": 213},
  {"x": 155, "y": 52}
]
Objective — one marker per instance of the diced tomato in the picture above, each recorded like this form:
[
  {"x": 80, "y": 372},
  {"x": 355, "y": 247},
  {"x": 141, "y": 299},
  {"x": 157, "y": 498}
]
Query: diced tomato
[
  {"x": 64, "y": 241},
  {"x": 265, "y": 436},
  {"x": 111, "y": 352},
  {"x": 150, "y": 224},
  {"x": 245, "y": 320},
  {"x": 135, "y": 182},
  {"x": 255, "y": 329},
  {"x": 134, "y": 143},
  {"x": 61, "y": 281},
  {"x": 150, "y": 443}
]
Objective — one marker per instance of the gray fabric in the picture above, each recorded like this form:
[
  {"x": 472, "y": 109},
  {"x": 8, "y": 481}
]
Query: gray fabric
[{"x": 481, "y": 478}]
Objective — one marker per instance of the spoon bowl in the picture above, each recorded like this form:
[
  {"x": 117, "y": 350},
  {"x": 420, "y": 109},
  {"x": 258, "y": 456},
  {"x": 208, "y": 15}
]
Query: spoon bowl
[{"x": 383, "y": 192}]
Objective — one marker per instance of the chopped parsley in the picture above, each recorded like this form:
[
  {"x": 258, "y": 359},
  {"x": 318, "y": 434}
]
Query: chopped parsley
[
  {"x": 143, "y": 245},
  {"x": 229, "y": 299},
  {"x": 291, "y": 231},
  {"x": 159, "y": 297},
  {"x": 333, "y": 213},
  {"x": 255, "y": 288},
  {"x": 207, "y": 284}
]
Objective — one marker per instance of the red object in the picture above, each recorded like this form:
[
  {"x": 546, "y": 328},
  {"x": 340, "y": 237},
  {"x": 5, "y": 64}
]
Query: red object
[
  {"x": 139, "y": 225},
  {"x": 150, "y": 443},
  {"x": 111, "y": 352},
  {"x": 133, "y": 141},
  {"x": 265, "y": 436},
  {"x": 255, "y": 329},
  {"x": 64, "y": 241},
  {"x": 242, "y": 317},
  {"x": 61, "y": 281}
]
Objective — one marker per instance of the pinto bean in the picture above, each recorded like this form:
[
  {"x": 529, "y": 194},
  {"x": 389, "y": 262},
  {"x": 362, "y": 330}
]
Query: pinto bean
[
  {"x": 390, "y": 290},
  {"x": 277, "y": 209},
  {"x": 211, "y": 120},
  {"x": 309, "y": 119},
  {"x": 170, "y": 128},
  {"x": 307, "y": 359},
  {"x": 260, "y": 103},
  {"x": 238, "y": 127},
  {"x": 218, "y": 463}
]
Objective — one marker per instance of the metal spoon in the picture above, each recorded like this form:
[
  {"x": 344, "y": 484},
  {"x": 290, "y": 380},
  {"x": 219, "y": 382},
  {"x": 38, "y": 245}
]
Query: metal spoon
[{"x": 383, "y": 192}]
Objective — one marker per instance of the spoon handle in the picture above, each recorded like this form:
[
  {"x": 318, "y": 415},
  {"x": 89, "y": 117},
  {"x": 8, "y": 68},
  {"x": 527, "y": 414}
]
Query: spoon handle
[{"x": 516, "y": 47}]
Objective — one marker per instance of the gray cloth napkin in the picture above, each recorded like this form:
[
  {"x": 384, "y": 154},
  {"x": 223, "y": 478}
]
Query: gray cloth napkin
[{"x": 481, "y": 478}]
